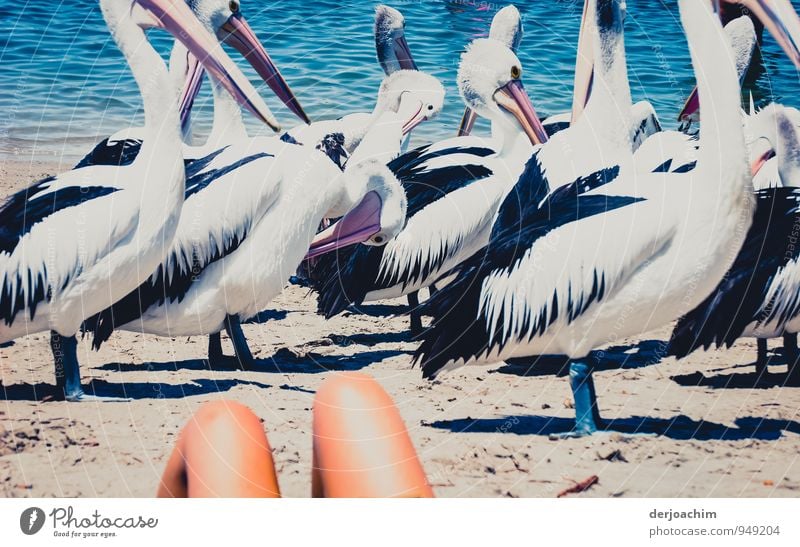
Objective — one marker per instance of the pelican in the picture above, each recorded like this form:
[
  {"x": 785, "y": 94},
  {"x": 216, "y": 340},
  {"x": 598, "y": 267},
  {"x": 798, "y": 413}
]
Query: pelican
[
  {"x": 75, "y": 243},
  {"x": 640, "y": 118},
  {"x": 670, "y": 150},
  {"x": 223, "y": 19},
  {"x": 237, "y": 246},
  {"x": 614, "y": 254},
  {"x": 454, "y": 188},
  {"x": 758, "y": 297},
  {"x": 402, "y": 75},
  {"x": 506, "y": 28}
]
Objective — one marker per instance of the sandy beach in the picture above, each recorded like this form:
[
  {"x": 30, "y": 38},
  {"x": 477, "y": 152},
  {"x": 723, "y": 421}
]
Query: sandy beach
[{"x": 479, "y": 431}]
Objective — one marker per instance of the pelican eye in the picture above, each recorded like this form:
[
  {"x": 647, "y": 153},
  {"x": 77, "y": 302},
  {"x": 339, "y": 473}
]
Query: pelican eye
[
  {"x": 234, "y": 6},
  {"x": 378, "y": 239},
  {"x": 430, "y": 107},
  {"x": 516, "y": 72}
]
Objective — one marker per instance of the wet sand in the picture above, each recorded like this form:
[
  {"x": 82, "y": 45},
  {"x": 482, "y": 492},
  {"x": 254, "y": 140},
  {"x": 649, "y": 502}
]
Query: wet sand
[{"x": 479, "y": 431}]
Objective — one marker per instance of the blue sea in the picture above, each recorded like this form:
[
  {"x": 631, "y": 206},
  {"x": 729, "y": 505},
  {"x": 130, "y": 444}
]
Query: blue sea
[{"x": 65, "y": 85}]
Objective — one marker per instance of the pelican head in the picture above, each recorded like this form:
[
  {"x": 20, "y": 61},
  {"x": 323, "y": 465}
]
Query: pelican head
[
  {"x": 773, "y": 132},
  {"x": 390, "y": 40},
  {"x": 489, "y": 80},
  {"x": 378, "y": 216},
  {"x": 176, "y": 17},
  {"x": 224, "y": 19},
  {"x": 415, "y": 96},
  {"x": 507, "y": 29}
]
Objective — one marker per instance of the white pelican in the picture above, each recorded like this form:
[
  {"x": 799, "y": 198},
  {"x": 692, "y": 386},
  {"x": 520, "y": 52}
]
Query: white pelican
[
  {"x": 640, "y": 118},
  {"x": 454, "y": 188},
  {"x": 237, "y": 246},
  {"x": 402, "y": 75},
  {"x": 760, "y": 295},
  {"x": 612, "y": 255},
  {"x": 507, "y": 29},
  {"x": 223, "y": 19},
  {"x": 75, "y": 243}
]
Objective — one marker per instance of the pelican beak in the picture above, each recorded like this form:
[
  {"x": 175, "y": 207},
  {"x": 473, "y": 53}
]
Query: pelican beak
[
  {"x": 357, "y": 226},
  {"x": 467, "y": 122},
  {"x": 584, "y": 65},
  {"x": 191, "y": 87},
  {"x": 237, "y": 33},
  {"x": 513, "y": 98},
  {"x": 415, "y": 120},
  {"x": 691, "y": 108},
  {"x": 403, "y": 54},
  {"x": 176, "y": 17},
  {"x": 762, "y": 150},
  {"x": 782, "y": 22}
]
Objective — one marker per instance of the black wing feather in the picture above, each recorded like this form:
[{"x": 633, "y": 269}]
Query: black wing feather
[{"x": 735, "y": 303}]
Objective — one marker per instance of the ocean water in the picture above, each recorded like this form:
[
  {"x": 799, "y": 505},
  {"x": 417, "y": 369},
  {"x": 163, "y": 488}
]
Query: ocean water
[{"x": 65, "y": 85}]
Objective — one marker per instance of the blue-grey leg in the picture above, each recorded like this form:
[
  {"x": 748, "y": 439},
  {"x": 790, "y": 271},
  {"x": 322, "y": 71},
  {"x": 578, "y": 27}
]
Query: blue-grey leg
[
  {"x": 761, "y": 358},
  {"x": 416, "y": 318},
  {"x": 68, "y": 372},
  {"x": 790, "y": 349},
  {"x": 587, "y": 415},
  {"x": 215, "y": 355},
  {"x": 234, "y": 329}
]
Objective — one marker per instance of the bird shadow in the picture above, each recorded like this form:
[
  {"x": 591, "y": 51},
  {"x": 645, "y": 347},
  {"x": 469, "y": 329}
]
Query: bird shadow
[
  {"x": 370, "y": 338},
  {"x": 641, "y": 354},
  {"x": 131, "y": 390},
  {"x": 678, "y": 427},
  {"x": 736, "y": 380},
  {"x": 265, "y": 316},
  {"x": 282, "y": 361},
  {"x": 285, "y": 361},
  {"x": 378, "y": 310}
]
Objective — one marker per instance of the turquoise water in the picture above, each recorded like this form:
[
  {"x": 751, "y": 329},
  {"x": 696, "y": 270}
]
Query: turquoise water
[{"x": 65, "y": 85}]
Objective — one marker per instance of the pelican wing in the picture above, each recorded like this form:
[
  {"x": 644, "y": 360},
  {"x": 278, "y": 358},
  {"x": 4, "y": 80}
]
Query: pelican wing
[
  {"x": 38, "y": 256},
  {"x": 112, "y": 151},
  {"x": 531, "y": 275},
  {"x": 222, "y": 206},
  {"x": 762, "y": 286}
]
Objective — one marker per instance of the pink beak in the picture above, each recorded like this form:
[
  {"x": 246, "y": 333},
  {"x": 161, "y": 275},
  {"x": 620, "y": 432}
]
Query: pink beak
[
  {"x": 403, "y": 54},
  {"x": 512, "y": 97},
  {"x": 467, "y": 122},
  {"x": 194, "y": 80},
  {"x": 357, "y": 226},
  {"x": 241, "y": 36},
  {"x": 176, "y": 17}
]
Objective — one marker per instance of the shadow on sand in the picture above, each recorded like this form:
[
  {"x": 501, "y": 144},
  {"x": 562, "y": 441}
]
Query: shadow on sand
[
  {"x": 642, "y": 354},
  {"x": 679, "y": 427},
  {"x": 282, "y": 361},
  {"x": 131, "y": 390}
]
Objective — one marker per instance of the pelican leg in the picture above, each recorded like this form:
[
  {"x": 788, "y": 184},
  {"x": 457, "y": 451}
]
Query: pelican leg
[
  {"x": 234, "y": 329},
  {"x": 790, "y": 348},
  {"x": 587, "y": 415},
  {"x": 68, "y": 371},
  {"x": 416, "y": 317},
  {"x": 215, "y": 355},
  {"x": 761, "y": 359}
]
